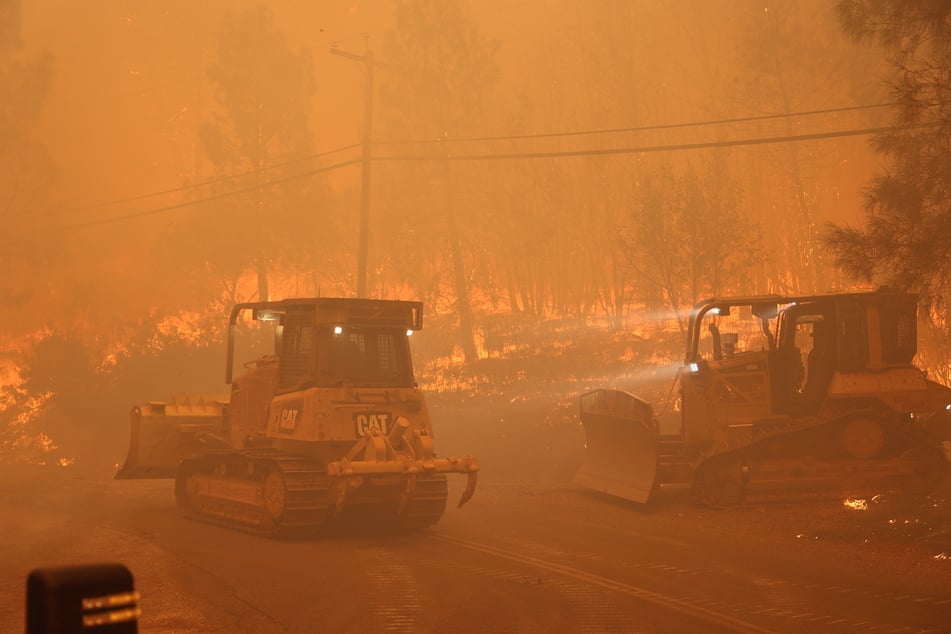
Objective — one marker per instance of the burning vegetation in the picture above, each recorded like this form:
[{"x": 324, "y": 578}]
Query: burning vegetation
[{"x": 531, "y": 181}]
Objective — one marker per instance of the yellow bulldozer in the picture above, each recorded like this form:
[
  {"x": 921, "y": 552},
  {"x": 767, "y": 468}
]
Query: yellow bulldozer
[
  {"x": 331, "y": 427},
  {"x": 780, "y": 398}
]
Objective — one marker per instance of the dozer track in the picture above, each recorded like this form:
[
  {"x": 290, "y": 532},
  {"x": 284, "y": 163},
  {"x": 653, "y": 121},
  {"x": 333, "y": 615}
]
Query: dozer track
[
  {"x": 856, "y": 455},
  {"x": 392, "y": 503},
  {"x": 426, "y": 504},
  {"x": 269, "y": 493},
  {"x": 258, "y": 491}
]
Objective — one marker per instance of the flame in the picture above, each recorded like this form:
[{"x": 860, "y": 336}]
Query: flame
[
  {"x": 856, "y": 504},
  {"x": 183, "y": 326},
  {"x": 19, "y": 440}
]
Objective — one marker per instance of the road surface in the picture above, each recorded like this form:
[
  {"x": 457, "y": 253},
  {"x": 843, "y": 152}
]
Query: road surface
[{"x": 520, "y": 557}]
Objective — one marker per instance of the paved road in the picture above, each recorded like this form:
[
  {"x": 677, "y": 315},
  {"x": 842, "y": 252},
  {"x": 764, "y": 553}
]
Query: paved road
[{"x": 518, "y": 558}]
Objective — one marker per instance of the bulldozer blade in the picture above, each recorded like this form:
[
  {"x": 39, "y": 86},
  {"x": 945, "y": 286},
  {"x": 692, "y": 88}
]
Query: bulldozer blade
[
  {"x": 620, "y": 456},
  {"x": 163, "y": 433}
]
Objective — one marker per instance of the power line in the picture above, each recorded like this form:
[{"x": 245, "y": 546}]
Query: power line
[
  {"x": 642, "y": 149},
  {"x": 513, "y": 155},
  {"x": 542, "y": 135},
  {"x": 212, "y": 181},
  {"x": 190, "y": 203},
  {"x": 645, "y": 128}
]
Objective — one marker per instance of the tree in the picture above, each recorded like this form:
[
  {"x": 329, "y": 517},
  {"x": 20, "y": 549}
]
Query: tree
[
  {"x": 908, "y": 209},
  {"x": 255, "y": 142},
  {"x": 687, "y": 238},
  {"x": 442, "y": 70},
  {"x": 791, "y": 60},
  {"x": 906, "y": 240}
]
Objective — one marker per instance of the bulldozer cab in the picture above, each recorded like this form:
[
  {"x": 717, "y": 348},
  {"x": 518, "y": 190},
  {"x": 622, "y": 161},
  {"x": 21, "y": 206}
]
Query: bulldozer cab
[
  {"x": 363, "y": 357},
  {"x": 326, "y": 342},
  {"x": 317, "y": 342},
  {"x": 787, "y": 366}
]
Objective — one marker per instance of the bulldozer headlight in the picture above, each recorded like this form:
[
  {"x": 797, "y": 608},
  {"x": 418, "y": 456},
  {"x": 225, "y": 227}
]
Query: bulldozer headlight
[
  {"x": 694, "y": 367},
  {"x": 409, "y": 332},
  {"x": 338, "y": 330}
]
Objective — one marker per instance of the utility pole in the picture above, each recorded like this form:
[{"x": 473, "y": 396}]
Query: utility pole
[{"x": 366, "y": 59}]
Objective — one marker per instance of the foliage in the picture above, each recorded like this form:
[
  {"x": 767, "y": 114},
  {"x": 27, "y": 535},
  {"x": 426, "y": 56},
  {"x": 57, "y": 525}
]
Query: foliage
[
  {"x": 255, "y": 142},
  {"x": 438, "y": 72},
  {"x": 687, "y": 239},
  {"x": 793, "y": 60},
  {"x": 55, "y": 391},
  {"x": 70, "y": 406},
  {"x": 65, "y": 395},
  {"x": 906, "y": 240},
  {"x": 20, "y": 438}
]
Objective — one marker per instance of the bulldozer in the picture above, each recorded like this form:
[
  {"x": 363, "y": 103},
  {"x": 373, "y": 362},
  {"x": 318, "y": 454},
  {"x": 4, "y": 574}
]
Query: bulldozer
[
  {"x": 781, "y": 398},
  {"x": 329, "y": 428}
]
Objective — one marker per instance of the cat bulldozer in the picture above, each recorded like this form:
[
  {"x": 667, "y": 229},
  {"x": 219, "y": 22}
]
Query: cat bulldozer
[
  {"x": 781, "y": 398},
  {"x": 331, "y": 427}
]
